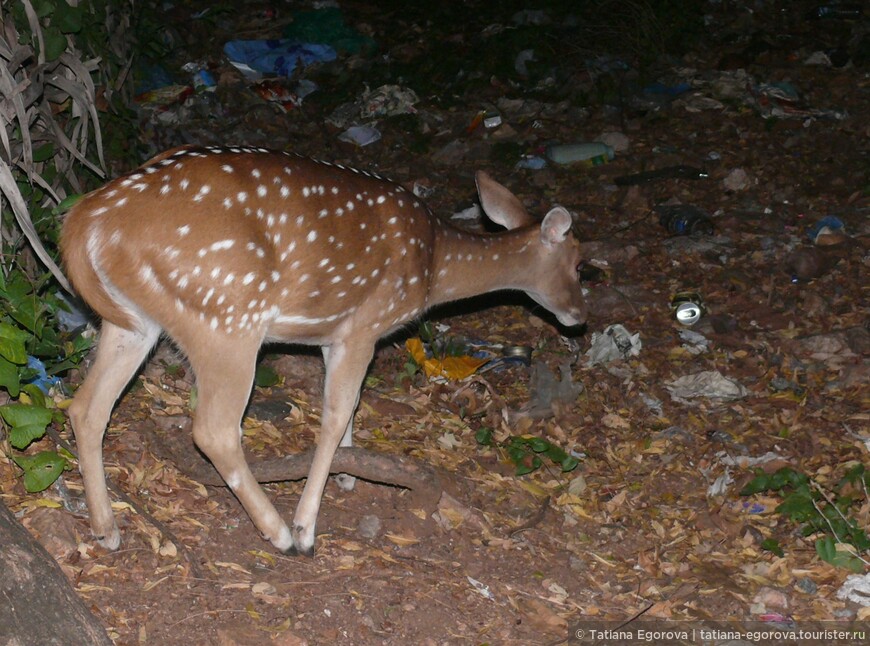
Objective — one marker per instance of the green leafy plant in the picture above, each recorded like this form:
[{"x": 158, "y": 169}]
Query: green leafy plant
[
  {"x": 828, "y": 515},
  {"x": 527, "y": 453},
  {"x": 54, "y": 90}
]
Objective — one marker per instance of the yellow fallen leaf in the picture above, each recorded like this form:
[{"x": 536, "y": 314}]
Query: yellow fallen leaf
[
  {"x": 87, "y": 587},
  {"x": 261, "y": 554},
  {"x": 534, "y": 489},
  {"x": 454, "y": 368},
  {"x": 383, "y": 555},
  {"x": 350, "y": 546},
  {"x": 150, "y": 585},
  {"x": 232, "y": 566},
  {"x": 402, "y": 540},
  {"x": 44, "y": 502},
  {"x": 612, "y": 420},
  {"x": 252, "y": 612}
]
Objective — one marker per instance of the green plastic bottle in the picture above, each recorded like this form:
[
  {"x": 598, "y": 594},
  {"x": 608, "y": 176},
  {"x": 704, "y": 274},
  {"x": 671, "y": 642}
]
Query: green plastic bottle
[{"x": 589, "y": 154}]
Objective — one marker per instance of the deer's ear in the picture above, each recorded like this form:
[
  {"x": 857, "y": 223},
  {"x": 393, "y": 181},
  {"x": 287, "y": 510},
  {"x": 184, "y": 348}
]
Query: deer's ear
[
  {"x": 499, "y": 204},
  {"x": 556, "y": 226}
]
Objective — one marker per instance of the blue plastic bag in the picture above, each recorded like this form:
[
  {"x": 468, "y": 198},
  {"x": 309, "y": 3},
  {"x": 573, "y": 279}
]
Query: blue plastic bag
[{"x": 276, "y": 56}]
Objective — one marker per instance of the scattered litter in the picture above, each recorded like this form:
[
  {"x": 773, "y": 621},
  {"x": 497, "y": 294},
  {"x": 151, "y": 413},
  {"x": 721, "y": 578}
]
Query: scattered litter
[
  {"x": 40, "y": 379},
  {"x": 524, "y": 57},
  {"x": 615, "y": 342},
  {"x": 161, "y": 99},
  {"x": 687, "y": 307},
  {"x": 694, "y": 342},
  {"x": 549, "y": 393},
  {"x": 781, "y": 100},
  {"x": 276, "y": 91},
  {"x": 653, "y": 403},
  {"x": 618, "y": 141},
  {"x": 531, "y": 162},
  {"x": 826, "y": 231},
  {"x": 709, "y": 384},
  {"x": 360, "y": 135},
  {"x": 684, "y": 219},
  {"x": 720, "y": 485},
  {"x": 422, "y": 190},
  {"x": 589, "y": 154},
  {"x": 253, "y": 58},
  {"x": 387, "y": 101},
  {"x": 481, "y": 589},
  {"x": 736, "y": 180},
  {"x": 446, "y": 367},
  {"x": 746, "y": 461},
  {"x": 856, "y": 588},
  {"x": 73, "y": 317},
  {"x": 473, "y": 213},
  {"x": 819, "y": 58}
]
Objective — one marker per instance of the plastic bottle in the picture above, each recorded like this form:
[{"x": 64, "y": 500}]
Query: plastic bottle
[
  {"x": 684, "y": 219},
  {"x": 590, "y": 154}
]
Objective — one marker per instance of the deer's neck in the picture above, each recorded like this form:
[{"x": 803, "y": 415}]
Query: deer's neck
[{"x": 467, "y": 264}]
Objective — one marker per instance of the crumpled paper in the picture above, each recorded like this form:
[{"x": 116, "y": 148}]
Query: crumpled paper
[
  {"x": 615, "y": 342},
  {"x": 710, "y": 384},
  {"x": 856, "y": 588}
]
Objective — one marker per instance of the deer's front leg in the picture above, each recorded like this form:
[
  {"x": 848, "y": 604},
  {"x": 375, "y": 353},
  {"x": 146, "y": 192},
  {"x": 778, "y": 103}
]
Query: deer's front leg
[{"x": 346, "y": 366}]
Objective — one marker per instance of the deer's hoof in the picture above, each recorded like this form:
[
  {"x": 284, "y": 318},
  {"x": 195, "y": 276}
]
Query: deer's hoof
[{"x": 111, "y": 540}]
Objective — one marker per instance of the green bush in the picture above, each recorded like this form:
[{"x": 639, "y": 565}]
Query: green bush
[{"x": 61, "y": 67}]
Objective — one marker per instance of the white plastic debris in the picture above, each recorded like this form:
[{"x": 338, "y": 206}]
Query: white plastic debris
[
  {"x": 386, "y": 101},
  {"x": 710, "y": 384},
  {"x": 747, "y": 461},
  {"x": 856, "y": 588},
  {"x": 694, "y": 342},
  {"x": 720, "y": 485},
  {"x": 471, "y": 213},
  {"x": 360, "y": 135},
  {"x": 615, "y": 342},
  {"x": 481, "y": 588},
  {"x": 653, "y": 403}
]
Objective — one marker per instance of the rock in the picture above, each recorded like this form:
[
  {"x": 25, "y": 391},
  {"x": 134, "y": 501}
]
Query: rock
[
  {"x": 736, "y": 180},
  {"x": 369, "y": 526}
]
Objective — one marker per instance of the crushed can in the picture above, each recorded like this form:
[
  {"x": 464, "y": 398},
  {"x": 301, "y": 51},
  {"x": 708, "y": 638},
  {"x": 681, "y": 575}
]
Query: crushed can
[{"x": 687, "y": 308}]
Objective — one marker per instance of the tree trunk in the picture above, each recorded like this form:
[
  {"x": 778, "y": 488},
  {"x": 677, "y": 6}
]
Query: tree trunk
[{"x": 37, "y": 603}]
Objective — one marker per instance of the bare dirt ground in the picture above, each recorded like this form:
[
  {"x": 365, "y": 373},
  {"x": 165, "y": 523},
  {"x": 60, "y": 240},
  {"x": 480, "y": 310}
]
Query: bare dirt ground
[{"x": 634, "y": 530}]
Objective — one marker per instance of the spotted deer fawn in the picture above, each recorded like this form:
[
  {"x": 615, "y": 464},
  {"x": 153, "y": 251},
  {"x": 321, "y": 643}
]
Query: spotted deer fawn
[{"x": 224, "y": 249}]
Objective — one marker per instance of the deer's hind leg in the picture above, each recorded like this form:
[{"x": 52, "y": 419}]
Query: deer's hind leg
[
  {"x": 224, "y": 369},
  {"x": 120, "y": 353}
]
